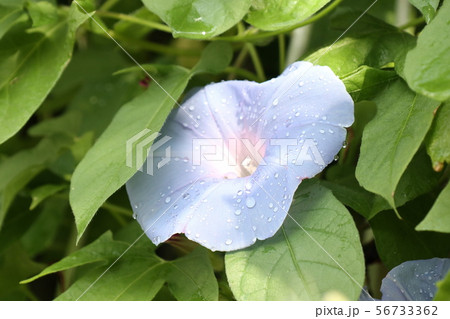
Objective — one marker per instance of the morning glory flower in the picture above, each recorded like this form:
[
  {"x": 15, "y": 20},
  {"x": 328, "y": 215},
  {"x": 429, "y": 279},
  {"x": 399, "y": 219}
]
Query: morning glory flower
[{"x": 229, "y": 160}]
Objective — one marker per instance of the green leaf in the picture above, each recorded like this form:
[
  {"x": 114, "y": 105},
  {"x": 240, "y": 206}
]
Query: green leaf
[
  {"x": 376, "y": 50},
  {"x": 9, "y": 16},
  {"x": 278, "y": 14},
  {"x": 418, "y": 179},
  {"x": 104, "y": 249},
  {"x": 438, "y": 219},
  {"x": 41, "y": 193},
  {"x": 438, "y": 140},
  {"x": 397, "y": 241},
  {"x": 30, "y": 65},
  {"x": 138, "y": 275},
  {"x": 198, "y": 19},
  {"x": 40, "y": 236},
  {"x": 14, "y": 266},
  {"x": 42, "y": 13},
  {"x": 443, "y": 289},
  {"x": 392, "y": 138},
  {"x": 427, "y": 70},
  {"x": 18, "y": 170},
  {"x": 427, "y": 7},
  {"x": 291, "y": 265},
  {"x": 103, "y": 170},
  {"x": 365, "y": 82},
  {"x": 215, "y": 58}
]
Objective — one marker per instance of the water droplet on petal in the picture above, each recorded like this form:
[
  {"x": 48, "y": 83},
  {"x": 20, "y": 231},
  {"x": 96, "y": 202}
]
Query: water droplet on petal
[
  {"x": 275, "y": 102},
  {"x": 134, "y": 215},
  {"x": 237, "y": 212},
  {"x": 250, "y": 202},
  {"x": 228, "y": 242},
  {"x": 167, "y": 199},
  {"x": 301, "y": 83}
]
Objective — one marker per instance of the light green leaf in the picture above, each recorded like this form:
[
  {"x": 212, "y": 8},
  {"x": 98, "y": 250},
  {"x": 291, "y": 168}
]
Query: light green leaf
[
  {"x": 438, "y": 140},
  {"x": 42, "y": 13},
  {"x": 443, "y": 291},
  {"x": 291, "y": 265},
  {"x": 427, "y": 7},
  {"x": 279, "y": 14},
  {"x": 9, "y": 16},
  {"x": 365, "y": 82},
  {"x": 30, "y": 65},
  {"x": 438, "y": 219},
  {"x": 392, "y": 138},
  {"x": 427, "y": 70},
  {"x": 41, "y": 193},
  {"x": 199, "y": 19},
  {"x": 376, "y": 50}
]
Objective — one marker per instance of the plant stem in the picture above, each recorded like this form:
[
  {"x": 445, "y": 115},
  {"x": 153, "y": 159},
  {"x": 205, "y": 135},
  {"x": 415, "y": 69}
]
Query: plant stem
[
  {"x": 412, "y": 23},
  {"x": 126, "y": 17},
  {"x": 282, "y": 51},
  {"x": 241, "y": 72},
  {"x": 253, "y": 34},
  {"x": 108, "y": 4},
  {"x": 256, "y": 62}
]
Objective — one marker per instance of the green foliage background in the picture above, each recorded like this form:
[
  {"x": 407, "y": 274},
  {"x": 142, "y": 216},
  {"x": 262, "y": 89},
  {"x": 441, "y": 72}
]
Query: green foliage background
[{"x": 70, "y": 98}]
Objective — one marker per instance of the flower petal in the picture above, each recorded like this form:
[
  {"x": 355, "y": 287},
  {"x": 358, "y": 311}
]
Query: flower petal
[{"x": 226, "y": 213}]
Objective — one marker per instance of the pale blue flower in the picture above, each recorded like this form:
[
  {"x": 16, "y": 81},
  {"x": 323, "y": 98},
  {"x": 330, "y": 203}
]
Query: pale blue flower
[{"x": 239, "y": 194}]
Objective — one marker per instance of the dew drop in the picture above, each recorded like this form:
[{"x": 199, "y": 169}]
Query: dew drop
[
  {"x": 239, "y": 192},
  {"x": 134, "y": 215},
  {"x": 275, "y": 102},
  {"x": 336, "y": 158},
  {"x": 228, "y": 242},
  {"x": 301, "y": 83},
  {"x": 186, "y": 196},
  {"x": 250, "y": 202},
  {"x": 275, "y": 175},
  {"x": 167, "y": 199},
  {"x": 191, "y": 108},
  {"x": 237, "y": 212}
]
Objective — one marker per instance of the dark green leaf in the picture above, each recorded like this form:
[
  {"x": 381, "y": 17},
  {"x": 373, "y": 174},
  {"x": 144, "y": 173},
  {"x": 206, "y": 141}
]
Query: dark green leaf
[
  {"x": 43, "y": 192},
  {"x": 103, "y": 170},
  {"x": 397, "y": 241}
]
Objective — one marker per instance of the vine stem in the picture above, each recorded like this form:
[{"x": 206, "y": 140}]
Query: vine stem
[
  {"x": 125, "y": 17},
  {"x": 256, "y": 62},
  {"x": 253, "y": 34},
  {"x": 412, "y": 23},
  {"x": 282, "y": 51}
]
